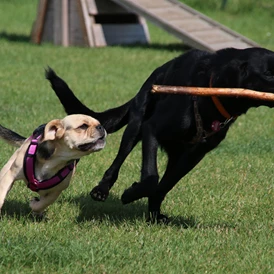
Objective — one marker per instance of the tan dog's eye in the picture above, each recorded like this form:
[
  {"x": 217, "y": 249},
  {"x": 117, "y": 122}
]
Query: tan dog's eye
[{"x": 83, "y": 126}]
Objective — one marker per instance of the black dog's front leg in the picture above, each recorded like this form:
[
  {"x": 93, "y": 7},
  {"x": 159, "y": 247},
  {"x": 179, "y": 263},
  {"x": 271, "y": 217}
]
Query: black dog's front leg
[
  {"x": 149, "y": 172},
  {"x": 130, "y": 138}
]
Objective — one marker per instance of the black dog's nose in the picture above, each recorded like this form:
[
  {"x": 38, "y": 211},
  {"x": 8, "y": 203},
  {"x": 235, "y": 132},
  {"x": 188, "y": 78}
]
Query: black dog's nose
[{"x": 101, "y": 129}]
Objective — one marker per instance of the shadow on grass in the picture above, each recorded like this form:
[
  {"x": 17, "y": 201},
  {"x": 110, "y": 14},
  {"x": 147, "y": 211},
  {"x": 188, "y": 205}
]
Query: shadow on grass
[
  {"x": 158, "y": 46},
  {"x": 193, "y": 222},
  {"x": 112, "y": 209},
  {"x": 13, "y": 37},
  {"x": 184, "y": 222},
  {"x": 16, "y": 209}
]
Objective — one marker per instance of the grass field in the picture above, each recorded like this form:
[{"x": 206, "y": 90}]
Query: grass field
[{"x": 221, "y": 213}]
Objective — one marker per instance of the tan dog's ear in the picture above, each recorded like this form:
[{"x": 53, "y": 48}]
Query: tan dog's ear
[{"x": 54, "y": 130}]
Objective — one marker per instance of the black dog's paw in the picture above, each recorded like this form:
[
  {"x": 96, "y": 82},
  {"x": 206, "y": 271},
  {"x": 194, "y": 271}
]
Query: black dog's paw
[
  {"x": 135, "y": 192},
  {"x": 99, "y": 193},
  {"x": 157, "y": 218}
]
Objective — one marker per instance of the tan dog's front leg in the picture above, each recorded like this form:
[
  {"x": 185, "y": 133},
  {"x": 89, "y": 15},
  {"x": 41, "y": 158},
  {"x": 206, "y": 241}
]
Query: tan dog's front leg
[
  {"x": 38, "y": 206},
  {"x": 6, "y": 181}
]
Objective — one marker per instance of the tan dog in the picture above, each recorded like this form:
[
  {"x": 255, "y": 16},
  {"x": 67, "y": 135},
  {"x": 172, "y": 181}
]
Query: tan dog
[{"x": 56, "y": 151}]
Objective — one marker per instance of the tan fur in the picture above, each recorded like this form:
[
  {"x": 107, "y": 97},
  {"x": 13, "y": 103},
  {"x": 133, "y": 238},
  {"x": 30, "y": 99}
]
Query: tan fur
[{"x": 63, "y": 137}]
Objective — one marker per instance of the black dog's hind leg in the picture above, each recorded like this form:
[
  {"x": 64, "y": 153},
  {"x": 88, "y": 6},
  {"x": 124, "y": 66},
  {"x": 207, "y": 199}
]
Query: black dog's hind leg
[
  {"x": 179, "y": 165},
  {"x": 180, "y": 161}
]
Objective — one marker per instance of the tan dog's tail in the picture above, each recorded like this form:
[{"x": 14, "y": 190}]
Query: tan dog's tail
[{"x": 11, "y": 137}]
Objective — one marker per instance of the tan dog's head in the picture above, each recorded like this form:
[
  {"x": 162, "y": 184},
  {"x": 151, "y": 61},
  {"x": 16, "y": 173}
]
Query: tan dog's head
[{"x": 72, "y": 137}]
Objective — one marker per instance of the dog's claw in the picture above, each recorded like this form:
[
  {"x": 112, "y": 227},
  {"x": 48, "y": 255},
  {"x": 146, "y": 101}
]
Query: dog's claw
[{"x": 99, "y": 193}]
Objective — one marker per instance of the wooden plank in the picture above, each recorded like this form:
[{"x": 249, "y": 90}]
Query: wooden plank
[
  {"x": 37, "y": 28},
  {"x": 86, "y": 23},
  {"x": 142, "y": 21},
  {"x": 213, "y": 36},
  {"x": 99, "y": 36},
  {"x": 57, "y": 22},
  {"x": 76, "y": 34},
  {"x": 47, "y": 35},
  {"x": 192, "y": 24},
  {"x": 238, "y": 44},
  {"x": 91, "y": 7},
  {"x": 149, "y": 4},
  {"x": 213, "y": 22},
  {"x": 65, "y": 23},
  {"x": 173, "y": 13}
]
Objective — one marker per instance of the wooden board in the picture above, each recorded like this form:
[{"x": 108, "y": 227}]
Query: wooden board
[
  {"x": 186, "y": 27},
  {"x": 87, "y": 23},
  {"x": 37, "y": 28}
]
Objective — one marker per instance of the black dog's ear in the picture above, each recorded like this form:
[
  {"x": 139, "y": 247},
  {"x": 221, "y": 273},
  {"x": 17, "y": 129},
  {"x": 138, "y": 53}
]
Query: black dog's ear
[
  {"x": 45, "y": 150},
  {"x": 244, "y": 69},
  {"x": 231, "y": 75}
]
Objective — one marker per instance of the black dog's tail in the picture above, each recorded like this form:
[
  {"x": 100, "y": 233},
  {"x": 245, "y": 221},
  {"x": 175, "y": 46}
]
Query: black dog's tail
[
  {"x": 111, "y": 119},
  {"x": 11, "y": 137}
]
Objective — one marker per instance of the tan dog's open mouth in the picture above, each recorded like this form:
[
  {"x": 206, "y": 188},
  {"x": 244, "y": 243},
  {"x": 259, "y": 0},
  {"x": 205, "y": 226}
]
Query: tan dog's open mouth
[{"x": 97, "y": 145}]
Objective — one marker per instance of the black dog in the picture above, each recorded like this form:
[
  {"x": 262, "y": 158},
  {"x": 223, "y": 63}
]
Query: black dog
[{"x": 186, "y": 127}]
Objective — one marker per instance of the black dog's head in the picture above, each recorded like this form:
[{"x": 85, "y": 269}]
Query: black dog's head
[{"x": 251, "y": 68}]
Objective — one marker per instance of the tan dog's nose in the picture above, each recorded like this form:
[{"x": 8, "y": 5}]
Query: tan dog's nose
[{"x": 101, "y": 130}]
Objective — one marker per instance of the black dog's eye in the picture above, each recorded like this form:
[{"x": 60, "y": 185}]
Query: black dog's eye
[{"x": 83, "y": 126}]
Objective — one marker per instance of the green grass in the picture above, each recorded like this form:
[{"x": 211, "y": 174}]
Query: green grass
[{"x": 221, "y": 213}]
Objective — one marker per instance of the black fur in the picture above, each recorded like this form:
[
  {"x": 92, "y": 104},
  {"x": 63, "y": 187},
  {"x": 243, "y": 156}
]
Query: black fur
[
  {"x": 11, "y": 137},
  {"x": 168, "y": 120}
]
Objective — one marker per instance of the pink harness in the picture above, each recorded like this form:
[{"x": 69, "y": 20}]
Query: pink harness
[{"x": 29, "y": 161}]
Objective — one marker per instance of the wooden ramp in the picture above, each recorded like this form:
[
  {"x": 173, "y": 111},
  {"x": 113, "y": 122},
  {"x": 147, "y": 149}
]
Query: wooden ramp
[
  {"x": 92, "y": 23},
  {"x": 194, "y": 28}
]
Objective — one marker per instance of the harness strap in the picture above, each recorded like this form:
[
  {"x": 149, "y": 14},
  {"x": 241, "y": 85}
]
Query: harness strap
[{"x": 29, "y": 170}]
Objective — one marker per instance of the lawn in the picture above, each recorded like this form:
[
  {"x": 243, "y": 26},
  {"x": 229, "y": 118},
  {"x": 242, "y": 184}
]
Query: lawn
[{"x": 221, "y": 213}]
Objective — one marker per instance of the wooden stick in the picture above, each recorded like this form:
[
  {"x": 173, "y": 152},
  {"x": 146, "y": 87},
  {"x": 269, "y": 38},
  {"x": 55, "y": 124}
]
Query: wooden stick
[{"x": 232, "y": 92}]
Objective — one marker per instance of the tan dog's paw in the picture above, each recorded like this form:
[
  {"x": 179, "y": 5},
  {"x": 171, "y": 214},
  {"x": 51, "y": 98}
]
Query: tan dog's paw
[
  {"x": 34, "y": 201},
  {"x": 35, "y": 204}
]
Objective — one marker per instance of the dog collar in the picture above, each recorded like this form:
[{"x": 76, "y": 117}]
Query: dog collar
[
  {"x": 29, "y": 169},
  {"x": 219, "y": 105}
]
